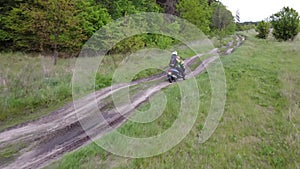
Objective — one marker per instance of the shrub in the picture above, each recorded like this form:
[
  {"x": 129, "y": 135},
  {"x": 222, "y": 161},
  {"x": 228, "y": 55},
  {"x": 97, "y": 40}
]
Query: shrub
[
  {"x": 263, "y": 29},
  {"x": 286, "y": 24}
]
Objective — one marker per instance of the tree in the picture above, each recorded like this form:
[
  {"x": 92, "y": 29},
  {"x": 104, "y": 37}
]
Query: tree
[
  {"x": 222, "y": 22},
  {"x": 211, "y": 2},
  {"x": 45, "y": 26},
  {"x": 92, "y": 16},
  {"x": 56, "y": 25},
  {"x": 169, "y": 6},
  {"x": 6, "y": 35},
  {"x": 263, "y": 29},
  {"x": 222, "y": 18},
  {"x": 14, "y": 31},
  {"x": 197, "y": 12},
  {"x": 121, "y": 8},
  {"x": 285, "y": 24}
]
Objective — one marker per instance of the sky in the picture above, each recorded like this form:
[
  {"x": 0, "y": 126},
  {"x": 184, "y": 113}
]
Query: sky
[{"x": 258, "y": 10}]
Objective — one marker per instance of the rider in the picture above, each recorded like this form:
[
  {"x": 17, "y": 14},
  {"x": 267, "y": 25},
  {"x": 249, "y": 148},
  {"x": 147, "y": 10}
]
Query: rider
[{"x": 177, "y": 63}]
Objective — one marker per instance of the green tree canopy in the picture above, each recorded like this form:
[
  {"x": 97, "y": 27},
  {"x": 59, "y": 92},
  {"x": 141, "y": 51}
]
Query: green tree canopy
[
  {"x": 197, "y": 12},
  {"x": 285, "y": 24},
  {"x": 63, "y": 26},
  {"x": 222, "y": 22},
  {"x": 222, "y": 18}
]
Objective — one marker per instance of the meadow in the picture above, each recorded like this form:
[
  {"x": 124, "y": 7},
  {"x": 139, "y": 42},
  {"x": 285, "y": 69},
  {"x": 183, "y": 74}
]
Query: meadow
[
  {"x": 31, "y": 86},
  {"x": 259, "y": 128}
]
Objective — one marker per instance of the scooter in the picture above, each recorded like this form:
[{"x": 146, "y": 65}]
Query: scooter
[{"x": 174, "y": 74}]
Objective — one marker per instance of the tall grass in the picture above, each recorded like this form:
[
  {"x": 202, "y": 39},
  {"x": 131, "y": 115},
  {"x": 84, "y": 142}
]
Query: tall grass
[
  {"x": 259, "y": 128},
  {"x": 31, "y": 86}
]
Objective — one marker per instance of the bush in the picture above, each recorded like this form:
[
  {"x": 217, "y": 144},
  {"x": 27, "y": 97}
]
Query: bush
[
  {"x": 263, "y": 29},
  {"x": 286, "y": 24}
]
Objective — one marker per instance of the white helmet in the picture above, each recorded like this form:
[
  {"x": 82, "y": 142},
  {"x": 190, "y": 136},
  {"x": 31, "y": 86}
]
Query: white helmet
[{"x": 174, "y": 53}]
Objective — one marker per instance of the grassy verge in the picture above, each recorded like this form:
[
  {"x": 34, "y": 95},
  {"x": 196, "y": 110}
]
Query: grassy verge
[
  {"x": 31, "y": 87},
  {"x": 259, "y": 128}
]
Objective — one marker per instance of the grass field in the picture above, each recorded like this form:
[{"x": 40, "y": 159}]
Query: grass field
[
  {"x": 259, "y": 129},
  {"x": 31, "y": 86}
]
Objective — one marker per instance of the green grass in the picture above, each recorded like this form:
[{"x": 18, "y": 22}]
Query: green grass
[
  {"x": 35, "y": 87},
  {"x": 10, "y": 152},
  {"x": 259, "y": 128}
]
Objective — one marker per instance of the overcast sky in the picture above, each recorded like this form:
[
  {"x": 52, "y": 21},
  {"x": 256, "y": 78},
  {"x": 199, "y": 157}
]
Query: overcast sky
[{"x": 257, "y": 10}]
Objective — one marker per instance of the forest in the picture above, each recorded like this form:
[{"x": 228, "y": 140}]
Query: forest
[{"x": 61, "y": 27}]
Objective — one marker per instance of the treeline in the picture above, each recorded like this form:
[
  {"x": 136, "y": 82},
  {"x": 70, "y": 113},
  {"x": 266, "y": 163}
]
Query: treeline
[{"x": 63, "y": 26}]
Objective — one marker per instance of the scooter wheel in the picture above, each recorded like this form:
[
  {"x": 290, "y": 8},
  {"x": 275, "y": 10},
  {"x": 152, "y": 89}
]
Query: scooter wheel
[{"x": 170, "y": 79}]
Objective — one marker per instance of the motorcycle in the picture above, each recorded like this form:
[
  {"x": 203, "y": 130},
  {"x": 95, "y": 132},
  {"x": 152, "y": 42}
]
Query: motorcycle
[{"x": 174, "y": 74}]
